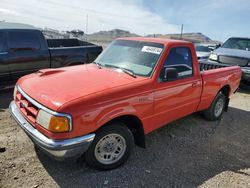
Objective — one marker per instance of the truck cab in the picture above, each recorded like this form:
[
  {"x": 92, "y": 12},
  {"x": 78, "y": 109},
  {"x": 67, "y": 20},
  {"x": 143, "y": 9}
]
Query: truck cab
[{"x": 23, "y": 52}]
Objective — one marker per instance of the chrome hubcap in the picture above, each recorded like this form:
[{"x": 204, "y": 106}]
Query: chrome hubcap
[
  {"x": 110, "y": 148},
  {"x": 219, "y": 107}
]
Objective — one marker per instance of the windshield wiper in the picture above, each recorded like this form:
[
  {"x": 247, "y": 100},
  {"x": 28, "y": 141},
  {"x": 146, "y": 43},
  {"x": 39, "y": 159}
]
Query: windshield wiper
[
  {"x": 99, "y": 65},
  {"x": 127, "y": 71}
]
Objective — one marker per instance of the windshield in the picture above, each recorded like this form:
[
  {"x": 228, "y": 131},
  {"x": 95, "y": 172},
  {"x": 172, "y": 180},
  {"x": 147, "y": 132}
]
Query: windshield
[
  {"x": 200, "y": 48},
  {"x": 138, "y": 57},
  {"x": 237, "y": 43}
]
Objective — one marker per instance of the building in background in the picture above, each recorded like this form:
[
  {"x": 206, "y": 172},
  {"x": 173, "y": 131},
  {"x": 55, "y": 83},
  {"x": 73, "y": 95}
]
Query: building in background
[
  {"x": 54, "y": 34},
  {"x": 76, "y": 34}
]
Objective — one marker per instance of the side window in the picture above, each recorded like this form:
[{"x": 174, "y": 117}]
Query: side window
[
  {"x": 2, "y": 41},
  {"x": 180, "y": 58},
  {"x": 23, "y": 40}
]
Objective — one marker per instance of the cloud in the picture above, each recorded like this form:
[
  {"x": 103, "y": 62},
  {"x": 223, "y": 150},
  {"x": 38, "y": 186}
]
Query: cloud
[
  {"x": 216, "y": 19},
  {"x": 9, "y": 12},
  {"x": 102, "y": 15}
]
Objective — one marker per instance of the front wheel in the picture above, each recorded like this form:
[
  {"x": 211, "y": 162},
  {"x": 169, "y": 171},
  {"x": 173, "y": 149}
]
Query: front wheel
[
  {"x": 215, "y": 111},
  {"x": 111, "y": 147}
]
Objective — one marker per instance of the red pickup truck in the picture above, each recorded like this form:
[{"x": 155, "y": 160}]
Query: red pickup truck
[{"x": 135, "y": 86}]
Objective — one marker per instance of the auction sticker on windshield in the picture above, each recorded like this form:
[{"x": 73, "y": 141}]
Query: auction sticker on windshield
[{"x": 151, "y": 49}]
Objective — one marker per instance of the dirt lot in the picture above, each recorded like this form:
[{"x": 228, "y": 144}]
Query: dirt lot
[{"x": 187, "y": 153}]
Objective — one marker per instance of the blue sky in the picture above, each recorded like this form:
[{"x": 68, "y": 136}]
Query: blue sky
[{"x": 218, "y": 19}]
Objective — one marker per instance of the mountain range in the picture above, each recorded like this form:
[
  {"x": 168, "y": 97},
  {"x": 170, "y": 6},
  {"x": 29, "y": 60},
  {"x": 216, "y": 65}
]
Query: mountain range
[{"x": 106, "y": 36}]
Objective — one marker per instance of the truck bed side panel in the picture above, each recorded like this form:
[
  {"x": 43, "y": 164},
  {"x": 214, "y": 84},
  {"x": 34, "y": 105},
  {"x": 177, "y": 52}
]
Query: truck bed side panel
[
  {"x": 214, "y": 80},
  {"x": 65, "y": 56}
]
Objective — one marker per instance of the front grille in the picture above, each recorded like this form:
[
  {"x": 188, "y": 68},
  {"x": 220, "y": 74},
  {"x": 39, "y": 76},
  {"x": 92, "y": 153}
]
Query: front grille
[
  {"x": 27, "y": 108},
  {"x": 233, "y": 60}
]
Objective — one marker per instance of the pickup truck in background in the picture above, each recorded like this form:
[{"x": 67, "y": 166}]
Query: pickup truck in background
[
  {"x": 203, "y": 50},
  {"x": 235, "y": 51},
  {"x": 23, "y": 51},
  {"x": 134, "y": 87}
]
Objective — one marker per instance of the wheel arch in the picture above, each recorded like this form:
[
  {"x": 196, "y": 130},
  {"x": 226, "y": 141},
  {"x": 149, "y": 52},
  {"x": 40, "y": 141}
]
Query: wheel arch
[
  {"x": 225, "y": 90},
  {"x": 134, "y": 124}
]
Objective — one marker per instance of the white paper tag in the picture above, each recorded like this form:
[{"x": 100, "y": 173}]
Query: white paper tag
[{"x": 151, "y": 49}]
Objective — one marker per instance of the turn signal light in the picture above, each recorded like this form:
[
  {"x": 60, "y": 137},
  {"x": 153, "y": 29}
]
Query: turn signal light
[{"x": 59, "y": 124}]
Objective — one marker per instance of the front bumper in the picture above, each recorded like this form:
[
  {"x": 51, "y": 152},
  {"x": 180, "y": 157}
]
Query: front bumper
[
  {"x": 59, "y": 149},
  {"x": 245, "y": 73}
]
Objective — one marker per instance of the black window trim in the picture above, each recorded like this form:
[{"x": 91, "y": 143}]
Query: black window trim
[
  {"x": 4, "y": 49},
  {"x": 180, "y": 78}
]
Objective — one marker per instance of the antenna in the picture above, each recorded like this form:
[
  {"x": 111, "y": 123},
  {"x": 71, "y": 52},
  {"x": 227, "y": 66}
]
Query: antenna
[
  {"x": 87, "y": 20},
  {"x": 181, "y": 30}
]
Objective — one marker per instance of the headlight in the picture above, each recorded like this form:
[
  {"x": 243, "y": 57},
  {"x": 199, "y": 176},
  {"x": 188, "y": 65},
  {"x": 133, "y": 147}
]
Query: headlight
[
  {"x": 14, "y": 93},
  {"x": 53, "y": 123},
  {"x": 213, "y": 57}
]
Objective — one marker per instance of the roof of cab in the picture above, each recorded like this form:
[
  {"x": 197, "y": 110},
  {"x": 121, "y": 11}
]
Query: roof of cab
[{"x": 155, "y": 40}]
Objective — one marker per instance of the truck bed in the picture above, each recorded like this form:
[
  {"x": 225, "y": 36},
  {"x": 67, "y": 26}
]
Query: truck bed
[
  {"x": 76, "y": 51},
  {"x": 60, "y": 43},
  {"x": 214, "y": 76},
  {"x": 75, "y": 55}
]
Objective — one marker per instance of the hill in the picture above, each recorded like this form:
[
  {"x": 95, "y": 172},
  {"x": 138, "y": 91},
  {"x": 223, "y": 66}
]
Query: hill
[
  {"x": 9, "y": 25},
  {"x": 105, "y": 37},
  {"x": 192, "y": 37}
]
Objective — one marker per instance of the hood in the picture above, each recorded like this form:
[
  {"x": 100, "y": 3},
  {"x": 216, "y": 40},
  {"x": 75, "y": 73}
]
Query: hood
[
  {"x": 202, "y": 54},
  {"x": 232, "y": 52},
  {"x": 55, "y": 87}
]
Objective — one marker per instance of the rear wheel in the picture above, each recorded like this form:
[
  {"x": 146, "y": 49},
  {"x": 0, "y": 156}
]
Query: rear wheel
[
  {"x": 111, "y": 147},
  {"x": 215, "y": 111}
]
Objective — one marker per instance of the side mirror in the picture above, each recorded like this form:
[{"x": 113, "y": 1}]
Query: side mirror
[
  {"x": 217, "y": 46},
  {"x": 170, "y": 74}
]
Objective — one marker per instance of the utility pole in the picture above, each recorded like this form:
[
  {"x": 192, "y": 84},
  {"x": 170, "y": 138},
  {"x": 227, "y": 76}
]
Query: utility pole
[
  {"x": 181, "y": 30},
  {"x": 87, "y": 20}
]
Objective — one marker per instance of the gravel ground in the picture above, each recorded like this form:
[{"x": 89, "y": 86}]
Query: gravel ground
[{"x": 189, "y": 152}]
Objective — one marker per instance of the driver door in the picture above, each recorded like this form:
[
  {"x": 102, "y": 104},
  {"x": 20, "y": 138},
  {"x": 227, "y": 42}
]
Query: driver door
[{"x": 179, "y": 97}]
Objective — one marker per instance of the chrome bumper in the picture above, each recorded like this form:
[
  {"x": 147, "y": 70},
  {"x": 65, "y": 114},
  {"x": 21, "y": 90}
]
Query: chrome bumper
[
  {"x": 59, "y": 149},
  {"x": 246, "y": 73}
]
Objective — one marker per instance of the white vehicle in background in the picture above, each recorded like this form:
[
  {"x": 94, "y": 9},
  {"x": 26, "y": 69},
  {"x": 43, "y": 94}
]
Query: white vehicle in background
[{"x": 203, "y": 50}]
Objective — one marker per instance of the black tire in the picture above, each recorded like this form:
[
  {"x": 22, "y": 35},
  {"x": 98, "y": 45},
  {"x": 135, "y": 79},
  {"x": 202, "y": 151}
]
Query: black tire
[
  {"x": 210, "y": 113},
  {"x": 122, "y": 132}
]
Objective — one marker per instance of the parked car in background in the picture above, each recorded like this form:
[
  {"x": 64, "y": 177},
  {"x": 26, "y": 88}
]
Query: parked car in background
[
  {"x": 203, "y": 50},
  {"x": 135, "y": 86},
  {"x": 23, "y": 51},
  {"x": 235, "y": 51}
]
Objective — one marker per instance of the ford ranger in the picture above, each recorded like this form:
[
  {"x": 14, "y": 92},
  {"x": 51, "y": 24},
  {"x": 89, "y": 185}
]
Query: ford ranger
[{"x": 135, "y": 86}]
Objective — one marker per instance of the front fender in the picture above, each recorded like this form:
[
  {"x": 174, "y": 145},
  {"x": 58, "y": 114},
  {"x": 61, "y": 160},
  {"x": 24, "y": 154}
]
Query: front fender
[{"x": 109, "y": 114}]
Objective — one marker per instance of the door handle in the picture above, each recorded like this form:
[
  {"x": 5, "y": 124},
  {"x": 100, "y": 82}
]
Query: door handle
[{"x": 196, "y": 84}]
